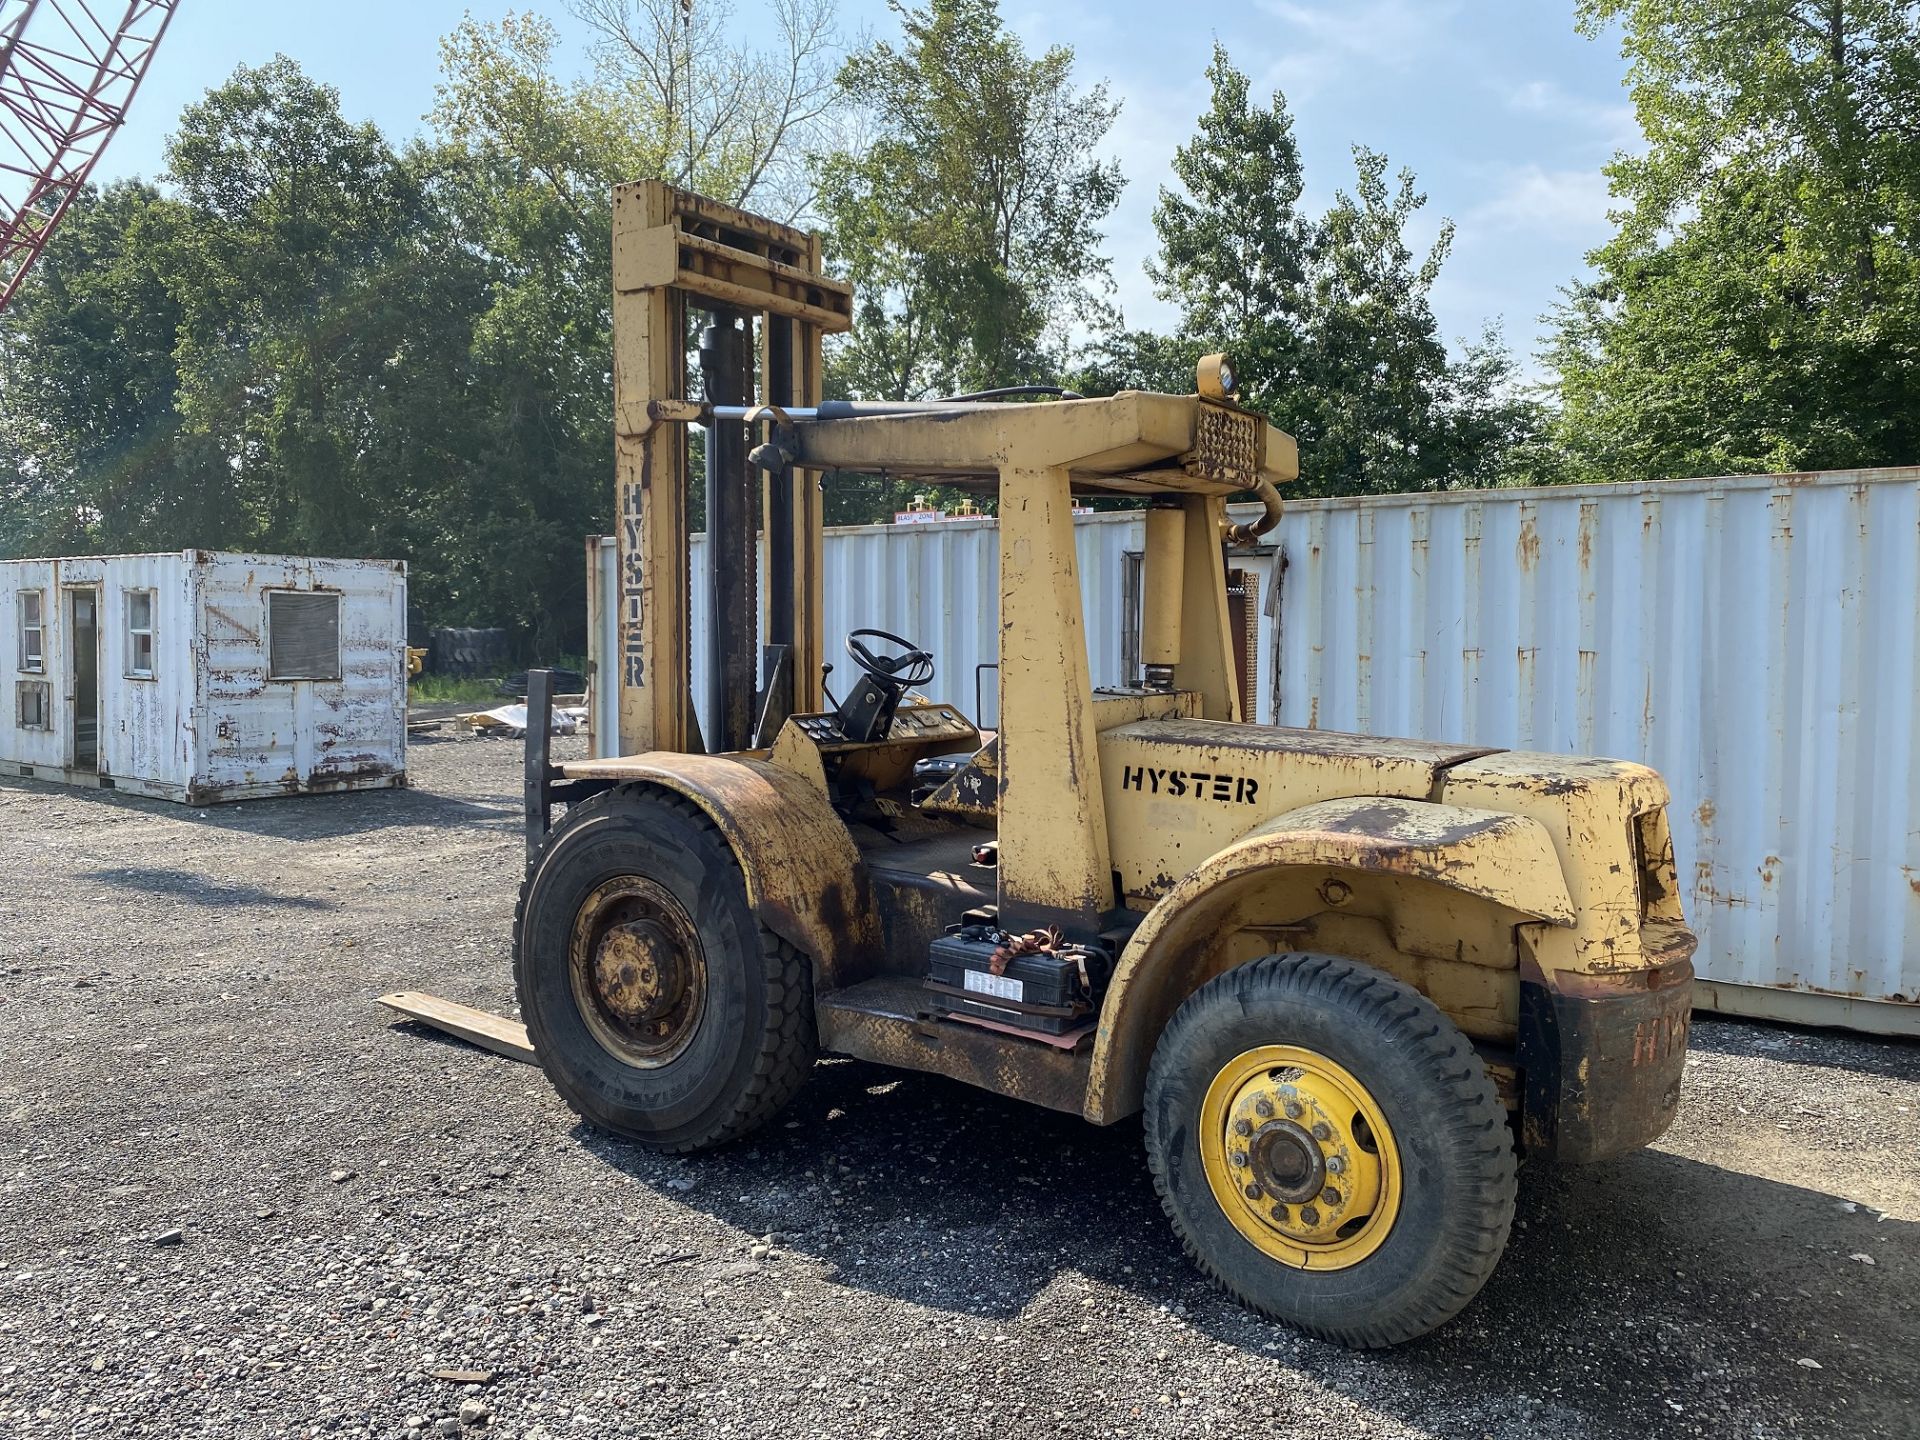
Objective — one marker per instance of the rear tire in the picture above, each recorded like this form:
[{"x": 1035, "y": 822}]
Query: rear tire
[
  {"x": 736, "y": 1035},
  {"x": 1397, "y": 1119}
]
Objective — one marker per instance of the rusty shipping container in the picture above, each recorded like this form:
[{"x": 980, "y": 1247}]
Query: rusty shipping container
[
  {"x": 1752, "y": 638},
  {"x": 205, "y": 676}
]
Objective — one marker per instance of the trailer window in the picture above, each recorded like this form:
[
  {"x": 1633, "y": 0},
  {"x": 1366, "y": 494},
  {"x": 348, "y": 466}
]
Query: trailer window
[
  {"x": 303, "y": 635},
  {"x": 140, "y": 634},
  {"x": 33, "y": 632},
  {"x": 34, "y": 702}
]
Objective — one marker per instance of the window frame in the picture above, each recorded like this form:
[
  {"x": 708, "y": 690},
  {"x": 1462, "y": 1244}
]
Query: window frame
[
  {"x": 339, "y": 644},
  {"x": 21, "y": 689},
  {"x": 37, "y": 664},
  {"x": 150, "y": 630}
]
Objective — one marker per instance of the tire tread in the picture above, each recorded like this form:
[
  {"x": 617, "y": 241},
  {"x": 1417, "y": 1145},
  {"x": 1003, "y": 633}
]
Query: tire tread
[
  {"x": 1483, "y": 1189},
  {"x": 789, "y": 1044}
]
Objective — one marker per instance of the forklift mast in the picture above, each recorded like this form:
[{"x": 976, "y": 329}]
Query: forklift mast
[
  {"x": 762, "y": 307},
  {"x": 756, "y": 291}
]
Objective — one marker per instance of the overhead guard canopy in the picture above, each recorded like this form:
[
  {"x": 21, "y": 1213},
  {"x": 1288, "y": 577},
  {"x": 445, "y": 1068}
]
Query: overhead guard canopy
[{"x": 1133, "y": 443}]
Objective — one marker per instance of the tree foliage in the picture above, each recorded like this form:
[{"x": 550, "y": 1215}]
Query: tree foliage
[
  {"x": 91, "y": 448},
  {"x": 1759, "y": 305},
  {"x": 1235, "y": 250},
  {"x": 256, "y": 360},
  {"x": 1330, "y": 319},
  {"x": 969, "y": 219},
  {"x": 311, "y": 339},
  {"x": 317, "y": 342}
]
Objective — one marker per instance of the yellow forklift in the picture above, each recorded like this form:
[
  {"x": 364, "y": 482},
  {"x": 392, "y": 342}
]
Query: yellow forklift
[{"x": 1348, "y": 980}]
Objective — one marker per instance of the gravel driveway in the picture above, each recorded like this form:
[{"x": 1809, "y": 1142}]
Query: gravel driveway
[{"x": 235, "y": 1200}]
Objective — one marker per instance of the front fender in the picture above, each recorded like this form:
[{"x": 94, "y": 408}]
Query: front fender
[
  {"x": 805, "y": 879},
  {"x": 1503, "y": 859}
]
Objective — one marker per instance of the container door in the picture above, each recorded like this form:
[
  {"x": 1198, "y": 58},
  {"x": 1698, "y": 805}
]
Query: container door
[{"x": 83, "y": 624}]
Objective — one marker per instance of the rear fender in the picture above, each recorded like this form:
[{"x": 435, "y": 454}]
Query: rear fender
[
  {"x": 804, "y": 878},
  {"x": 1501, "y": 860}
]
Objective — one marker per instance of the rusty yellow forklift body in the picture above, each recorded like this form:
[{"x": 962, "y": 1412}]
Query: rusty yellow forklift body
[{"x": 1330, "y": 968}]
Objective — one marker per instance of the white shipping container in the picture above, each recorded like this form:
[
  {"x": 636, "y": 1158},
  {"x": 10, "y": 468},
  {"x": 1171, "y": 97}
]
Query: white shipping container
[
  {"x": 1752, "y": 638},
  {"x": 938, "y": 584},
  {"x": 204, "y": 676}
]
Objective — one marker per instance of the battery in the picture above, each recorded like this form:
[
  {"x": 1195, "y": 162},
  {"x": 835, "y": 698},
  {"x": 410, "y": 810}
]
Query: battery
[{"x": 1044, "y": 993}]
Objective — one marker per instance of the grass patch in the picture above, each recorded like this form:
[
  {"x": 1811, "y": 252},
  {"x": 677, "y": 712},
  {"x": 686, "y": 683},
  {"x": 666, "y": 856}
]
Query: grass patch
[{"x": 454, "y": 690}]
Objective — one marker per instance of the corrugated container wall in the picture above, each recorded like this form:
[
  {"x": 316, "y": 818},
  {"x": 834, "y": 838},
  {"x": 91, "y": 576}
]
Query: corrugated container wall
[
  {"x": 938, "y": 584},
  {"x": 162, "y": 674},
  {"x": 1753, "y": 639},
  {"x": 345, "y": 729}
]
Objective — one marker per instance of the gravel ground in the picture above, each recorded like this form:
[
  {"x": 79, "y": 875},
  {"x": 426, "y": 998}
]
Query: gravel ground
[{"x": 236, "y": 1201}]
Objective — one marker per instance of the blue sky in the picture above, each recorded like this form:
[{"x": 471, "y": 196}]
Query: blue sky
[{"x": 1504, "y": 112}]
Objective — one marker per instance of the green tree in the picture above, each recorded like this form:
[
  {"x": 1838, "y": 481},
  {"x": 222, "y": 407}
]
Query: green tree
[
  {"x": 1759, "y": 305},
  {"x": 1115, "y": 359},
  {"x": 1235, "y": 251},
  {"x": 1494, "y": 429},
  {"x": 969, "y": 221},
  {"x": 671, "y": 97},
  {"x": 1330, "y": 321},
  {"x": 300, "y": 257},
  {"x": 88, "y": 380},
  {"x": 1375, "y": 370},
  {"x": 274, "y": 357}
]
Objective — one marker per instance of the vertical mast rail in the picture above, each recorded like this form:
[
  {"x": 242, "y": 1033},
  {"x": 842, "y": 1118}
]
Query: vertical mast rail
[{"x": 672, "y": 251}]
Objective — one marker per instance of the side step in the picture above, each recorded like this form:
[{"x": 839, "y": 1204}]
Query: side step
[{"x": 889, "y": 1021}]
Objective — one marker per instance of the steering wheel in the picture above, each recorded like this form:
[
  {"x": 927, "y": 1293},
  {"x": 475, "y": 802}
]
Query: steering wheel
[{"x": 910, "y": 667}]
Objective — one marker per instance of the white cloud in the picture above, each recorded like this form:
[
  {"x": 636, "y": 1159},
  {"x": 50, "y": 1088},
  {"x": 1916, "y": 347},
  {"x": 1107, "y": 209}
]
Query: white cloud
[
  {"x": 1153, "y": 121},
  {"x": 1613, "y": 125},
  {"x": 1329, "y": 39},
  {"x": 1553, "y": 202}
]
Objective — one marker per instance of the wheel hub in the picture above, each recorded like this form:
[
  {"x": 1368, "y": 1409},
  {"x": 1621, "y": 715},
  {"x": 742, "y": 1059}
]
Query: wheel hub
[
  {"x": 638, "y": 970},
  {"x": 1299, "y": 1156},
  {"x": 1286, "y": 1163}
]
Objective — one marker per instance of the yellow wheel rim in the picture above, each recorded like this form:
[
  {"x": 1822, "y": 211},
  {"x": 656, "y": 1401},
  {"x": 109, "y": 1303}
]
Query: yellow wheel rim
[{"x": 1300, "y": 1158}]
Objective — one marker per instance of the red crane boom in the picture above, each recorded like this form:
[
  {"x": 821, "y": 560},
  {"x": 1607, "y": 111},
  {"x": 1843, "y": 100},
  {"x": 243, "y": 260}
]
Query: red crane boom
[{"x": 68, "y": 72}]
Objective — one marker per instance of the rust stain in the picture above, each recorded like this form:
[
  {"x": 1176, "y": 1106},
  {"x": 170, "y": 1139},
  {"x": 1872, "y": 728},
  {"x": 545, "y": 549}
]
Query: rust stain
[
  {"x": 1703, "y": 816},
  {"x": 1528, "y": 549}
]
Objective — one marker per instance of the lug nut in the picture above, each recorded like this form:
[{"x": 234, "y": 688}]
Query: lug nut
[
  {"x": 1335, "y": 1165},
  {"x": 1240, "y": 1159},
  {"x": 1322, "y": 1131},
  {"x": 1263, "y": 1107},
  {"x": 1253, "y": 1191},
  {"x": 1294, "y": 1110},
  {"x": 1309, "y": 1215},
  {"x": 1243, "y": 1128},
  {"x": 1330, "y": 1195},
  {"x": 1279, "y": 1213}
]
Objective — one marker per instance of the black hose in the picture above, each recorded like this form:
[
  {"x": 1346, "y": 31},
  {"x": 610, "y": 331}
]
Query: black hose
[{"x": 1006, "y": 392}]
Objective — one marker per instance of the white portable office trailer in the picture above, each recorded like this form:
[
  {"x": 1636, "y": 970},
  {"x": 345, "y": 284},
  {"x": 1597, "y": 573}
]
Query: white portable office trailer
[{"x": 204, "y": 676}]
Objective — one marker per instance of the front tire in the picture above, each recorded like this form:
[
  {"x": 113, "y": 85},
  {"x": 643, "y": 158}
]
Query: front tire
[
  {"x": 1330, "y": 1148},
  {"x": 657, "y": 1004}
]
